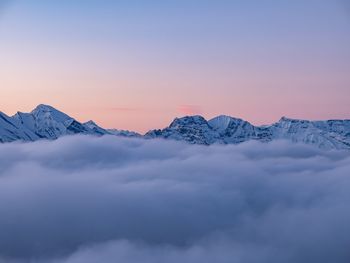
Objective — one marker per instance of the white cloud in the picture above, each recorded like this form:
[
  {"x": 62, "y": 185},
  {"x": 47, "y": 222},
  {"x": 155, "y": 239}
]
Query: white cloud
[{"x": 83, "y": 199}]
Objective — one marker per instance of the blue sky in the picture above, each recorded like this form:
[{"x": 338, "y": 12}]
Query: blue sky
[{"x": 257, "y": 60}]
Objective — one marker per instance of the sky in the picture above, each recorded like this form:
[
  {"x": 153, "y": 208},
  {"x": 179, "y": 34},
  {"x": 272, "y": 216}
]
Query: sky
[{"x": 136, "y": 65}]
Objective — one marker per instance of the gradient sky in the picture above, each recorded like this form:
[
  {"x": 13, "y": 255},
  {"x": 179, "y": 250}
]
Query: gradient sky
[{"x": 138, "y": 64}]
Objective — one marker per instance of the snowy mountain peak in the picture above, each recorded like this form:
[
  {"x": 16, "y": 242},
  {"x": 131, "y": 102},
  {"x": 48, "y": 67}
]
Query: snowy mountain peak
[
  {"x": 51, "y": 123},
  {"x": 227, "y": 130},
  {"x": 188, "y": 120},
  {"x": 193, "y": 129},
  {"x": 291, "y": 120},
  {"x": 94, "y": 128},
  {"x": 43, "y": 111},
  {"x": 222, "y": 122},
  {"x": 284, "y": 118},
  {"x": 44, "y": 107},
  {"x": 124, "y": 133},
  {"x": 90, "y": 123},
  {"x": 46, "y": 122}
]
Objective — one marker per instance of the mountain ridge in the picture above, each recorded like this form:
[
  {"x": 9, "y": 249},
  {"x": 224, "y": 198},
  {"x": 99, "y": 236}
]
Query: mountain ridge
[{"x": 46, "y": 122}]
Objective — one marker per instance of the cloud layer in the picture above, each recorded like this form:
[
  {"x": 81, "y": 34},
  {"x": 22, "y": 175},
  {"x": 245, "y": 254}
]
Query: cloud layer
[{"x": 82, "y": 199}]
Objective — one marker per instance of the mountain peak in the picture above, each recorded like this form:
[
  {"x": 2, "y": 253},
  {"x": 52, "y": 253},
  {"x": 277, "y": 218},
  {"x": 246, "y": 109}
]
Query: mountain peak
[
  {"x": 90, "y": 123},
  {"x": 188, "y": 120},
  {"x": 287, "y": 119},
  {"x": 44, "y": 107},
  {"x": 47, "y": 112},
  {"x": 284, "y": 118},
  {"x": 47, "y": 122},
  {"x": 221, "y": 122}
]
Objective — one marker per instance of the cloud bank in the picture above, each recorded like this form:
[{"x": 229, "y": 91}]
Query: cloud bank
[{"x": 82, "y": 199}]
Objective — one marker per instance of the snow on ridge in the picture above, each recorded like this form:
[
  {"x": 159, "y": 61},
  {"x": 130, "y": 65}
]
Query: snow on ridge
[{"x": 46, "y": 122}]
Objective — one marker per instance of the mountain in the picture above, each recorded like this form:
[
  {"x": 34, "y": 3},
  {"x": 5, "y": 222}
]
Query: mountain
[
  {"x": 192, "y": 129},
  {"x": 11, "y": 131},
  {"x": 124, "y": 133},
  {"x": 331, "y": 134},
  {"x": 46, "y": 122},
  {"x": 95, "y": 129}
]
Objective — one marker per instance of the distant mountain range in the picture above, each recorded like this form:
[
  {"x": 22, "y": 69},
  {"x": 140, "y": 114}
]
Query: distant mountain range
[{"x": 46, "y": 122}]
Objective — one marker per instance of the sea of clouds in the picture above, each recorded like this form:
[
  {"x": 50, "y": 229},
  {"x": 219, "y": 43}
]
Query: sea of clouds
[{"x": 81, "y": 200}]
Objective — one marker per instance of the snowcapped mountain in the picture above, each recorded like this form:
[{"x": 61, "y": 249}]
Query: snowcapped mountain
[
  {"x": 124, "y": 133},
  {"x": 332, "y": 134},
  {"x": 192, "y": 129},
  {"x": 11, "y": 131},
  {"x": 46, "y": 122},
  {"x": 94, "y": 128},
  {"x": 50, "y": 123}
]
